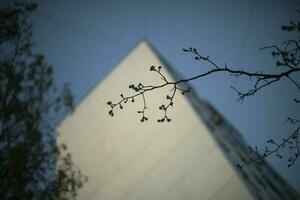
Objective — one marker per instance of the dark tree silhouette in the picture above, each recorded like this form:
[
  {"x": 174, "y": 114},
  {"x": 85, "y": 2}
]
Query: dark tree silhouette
[
  {"x": 287, "y": 55},
  {"x": 32, "y": 165}
]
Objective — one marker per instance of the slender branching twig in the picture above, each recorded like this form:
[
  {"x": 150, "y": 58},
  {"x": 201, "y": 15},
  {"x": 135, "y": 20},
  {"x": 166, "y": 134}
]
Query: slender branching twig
[{"x": 288, "y": 60}]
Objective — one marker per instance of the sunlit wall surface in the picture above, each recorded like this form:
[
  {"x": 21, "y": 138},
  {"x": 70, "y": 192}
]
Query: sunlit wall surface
[{"x": 184, "y": 159}]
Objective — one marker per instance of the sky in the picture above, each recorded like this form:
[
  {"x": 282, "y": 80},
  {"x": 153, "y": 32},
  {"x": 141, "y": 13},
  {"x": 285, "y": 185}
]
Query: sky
[{"x": 84, "y": 40}]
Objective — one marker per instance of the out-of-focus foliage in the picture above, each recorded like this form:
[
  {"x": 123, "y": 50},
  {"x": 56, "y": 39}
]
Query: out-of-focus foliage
[{"x": 32, "y": 165}]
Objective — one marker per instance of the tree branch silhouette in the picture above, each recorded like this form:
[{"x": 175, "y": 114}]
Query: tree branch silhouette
[
  {"x": 287, "y": 56},
  {"x": 262, "y": 80},
  {"x": 257, "y": 156}
]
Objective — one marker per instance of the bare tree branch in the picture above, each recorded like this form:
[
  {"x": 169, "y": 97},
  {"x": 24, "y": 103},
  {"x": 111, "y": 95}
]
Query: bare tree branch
[
  {"x": 262, "y": 80},
  {"x": 255, "y": 156},
  {"x": 287, "y": 56}
]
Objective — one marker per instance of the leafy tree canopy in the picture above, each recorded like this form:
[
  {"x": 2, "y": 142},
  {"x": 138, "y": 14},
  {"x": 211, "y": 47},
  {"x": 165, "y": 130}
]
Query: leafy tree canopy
[{"x": 32, "y": 165}]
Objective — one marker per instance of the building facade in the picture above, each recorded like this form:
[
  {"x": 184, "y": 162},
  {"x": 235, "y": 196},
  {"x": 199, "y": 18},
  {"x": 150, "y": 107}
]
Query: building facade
[{"x": 193, "y": 157}]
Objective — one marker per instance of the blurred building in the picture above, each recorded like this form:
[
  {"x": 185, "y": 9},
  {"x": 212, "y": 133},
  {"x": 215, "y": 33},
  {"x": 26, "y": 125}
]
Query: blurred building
[{"x": 192, "y": 157}]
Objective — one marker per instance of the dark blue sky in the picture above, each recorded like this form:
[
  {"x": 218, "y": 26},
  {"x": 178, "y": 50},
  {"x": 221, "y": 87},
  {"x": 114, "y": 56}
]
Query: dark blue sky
[{"x": 84, "y": 40}]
